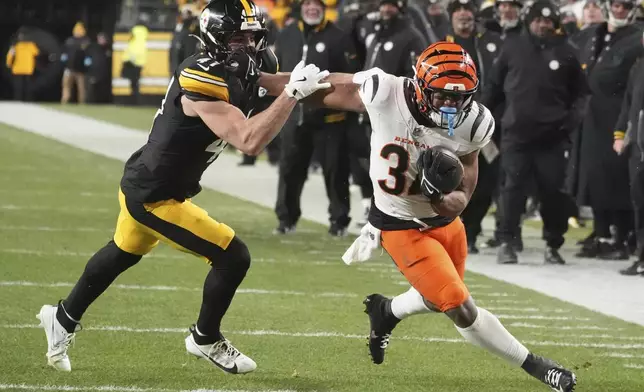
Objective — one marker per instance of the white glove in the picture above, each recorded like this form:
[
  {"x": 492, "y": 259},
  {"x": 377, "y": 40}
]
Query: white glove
[{"x": 305, "y": 80}]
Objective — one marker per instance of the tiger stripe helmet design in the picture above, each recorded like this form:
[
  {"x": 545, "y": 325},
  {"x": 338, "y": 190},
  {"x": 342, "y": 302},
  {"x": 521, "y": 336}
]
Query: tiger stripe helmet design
[{"x": 445, "y": 68}]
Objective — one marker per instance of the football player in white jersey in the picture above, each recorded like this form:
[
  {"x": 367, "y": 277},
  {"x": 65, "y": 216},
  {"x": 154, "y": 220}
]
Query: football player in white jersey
[{"x": 419, "y": 126}]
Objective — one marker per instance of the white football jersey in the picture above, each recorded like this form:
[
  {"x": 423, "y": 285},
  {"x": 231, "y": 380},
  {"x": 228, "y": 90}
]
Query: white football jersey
[{"x": 397, "y": 140}]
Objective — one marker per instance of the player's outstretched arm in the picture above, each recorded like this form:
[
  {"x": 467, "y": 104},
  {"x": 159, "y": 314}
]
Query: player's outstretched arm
[
  {"x": 342, "y": 95},
  {"x": 229, "y": 123},
  {"x": 453, "y": 203},
  {"x": 252, "y": 135}
]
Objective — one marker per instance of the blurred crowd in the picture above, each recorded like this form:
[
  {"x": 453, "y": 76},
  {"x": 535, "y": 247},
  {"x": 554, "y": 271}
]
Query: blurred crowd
[{"x": 563, "y": 80}]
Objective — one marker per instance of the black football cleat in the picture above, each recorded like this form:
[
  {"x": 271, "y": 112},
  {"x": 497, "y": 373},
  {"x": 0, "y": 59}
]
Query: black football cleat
[
  {"x": 380, "y": 325},
  {"x": 550, "y": 373}
]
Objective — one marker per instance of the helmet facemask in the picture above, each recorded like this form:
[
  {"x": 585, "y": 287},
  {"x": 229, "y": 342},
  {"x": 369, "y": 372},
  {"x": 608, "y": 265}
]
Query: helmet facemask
[
  {"x": 445, "y": 108},
  {"x": 445, "y": 81}
]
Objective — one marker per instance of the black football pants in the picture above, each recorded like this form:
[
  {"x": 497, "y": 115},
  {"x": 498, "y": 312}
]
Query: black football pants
[{"x": 298, "y": 143}]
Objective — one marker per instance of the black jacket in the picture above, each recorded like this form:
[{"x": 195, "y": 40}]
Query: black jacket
[
  {"x": 183, "y": 45},
  {"x": 607, "y": 59},
  {"x": 74, "y": 54},
  {"x": 326, "y": 46},
  {"x": 484, "y": 47},
  {"x": 394, "y": 46},
  {"x": 543, "y": 85},
  {"x": 631, "y": 117}
]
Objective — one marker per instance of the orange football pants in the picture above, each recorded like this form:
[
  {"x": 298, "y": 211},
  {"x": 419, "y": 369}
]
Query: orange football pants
[{"x": 433, "y": 261}]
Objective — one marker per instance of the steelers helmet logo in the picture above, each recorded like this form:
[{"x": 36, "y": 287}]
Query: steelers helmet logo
[
  {"x": 203, "y": 20},
  {"x": 554, "y": 65},
  {"x": 546, "y": 12},
  {"x": 320, "y": 47},
  {"x": 388, "y": 46},
  {"x": 261, "y": 92},
  {"x": 491, "y": 47}
]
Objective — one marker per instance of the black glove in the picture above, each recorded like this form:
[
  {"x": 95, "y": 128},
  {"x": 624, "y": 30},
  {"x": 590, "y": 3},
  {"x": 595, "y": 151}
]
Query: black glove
[
  {"x": 440, "y": 171},
  {"x": 242, "y": 65}
]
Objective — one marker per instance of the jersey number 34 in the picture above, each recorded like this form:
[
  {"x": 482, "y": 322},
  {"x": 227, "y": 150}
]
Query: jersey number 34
[{"x": 398, "y": 172}]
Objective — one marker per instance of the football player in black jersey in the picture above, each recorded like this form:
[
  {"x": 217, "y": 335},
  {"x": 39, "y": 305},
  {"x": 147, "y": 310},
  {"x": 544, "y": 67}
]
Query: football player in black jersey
[{"x": 206, "y": 106}]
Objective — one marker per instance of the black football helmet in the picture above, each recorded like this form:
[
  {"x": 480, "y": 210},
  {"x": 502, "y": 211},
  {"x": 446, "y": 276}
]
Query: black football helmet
[{"x": 222, "y": 19}]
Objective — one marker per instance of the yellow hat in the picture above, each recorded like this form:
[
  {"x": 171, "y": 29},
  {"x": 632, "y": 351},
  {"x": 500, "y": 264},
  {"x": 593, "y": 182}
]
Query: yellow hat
[{"x": 79, "y": 29}]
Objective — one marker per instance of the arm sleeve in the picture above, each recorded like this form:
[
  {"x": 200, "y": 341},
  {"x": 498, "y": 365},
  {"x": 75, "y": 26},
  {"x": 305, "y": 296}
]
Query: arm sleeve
[
  {"x": 578, "y": 92},
  {"x": 200, "y": 85},
  {"x": 622, "y": 121},
  {"x": 10, "y": 55}
]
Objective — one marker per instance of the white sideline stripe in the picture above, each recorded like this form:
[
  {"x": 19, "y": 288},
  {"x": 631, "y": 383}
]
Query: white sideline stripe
[
  {"x": 59, "y": 193},
  {"x": 633, "y": 366},
  {"x": 586, "y": 336},
  {"x": 622, "y": 355},
  {"x": 13, "y": 207},
  {"x": 154, "y": 255},
  {"x": 55, "y": 229},
  {"x": 563, "y": 327},
  {"x": 539, "y": 317},
  {"x": 503, "y": 301},
  {"x": 433, "y": 339},
  {"x": 122, "y": 388},
  {"x": 23, "y": 283},
  {"x": 79, "y": 254}
]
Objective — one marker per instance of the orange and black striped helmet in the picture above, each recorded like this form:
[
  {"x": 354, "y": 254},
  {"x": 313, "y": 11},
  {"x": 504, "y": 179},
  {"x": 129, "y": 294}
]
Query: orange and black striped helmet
[{"x": 445, "y": 67}]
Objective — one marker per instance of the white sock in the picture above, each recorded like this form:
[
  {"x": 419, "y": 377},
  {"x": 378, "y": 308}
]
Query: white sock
[
  {"x": 408, "y": 303},
  {"x": 488, "y": 333}
]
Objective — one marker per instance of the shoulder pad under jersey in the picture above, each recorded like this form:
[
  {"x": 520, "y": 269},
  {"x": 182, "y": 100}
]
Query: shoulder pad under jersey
[
  {"x": 482, "y": 127},
  {"x": 202, "y": 79},
  {"x": 375, "y": 86}
]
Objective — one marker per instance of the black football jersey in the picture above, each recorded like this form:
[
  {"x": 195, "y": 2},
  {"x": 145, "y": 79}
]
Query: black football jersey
[{"x": 180, "y": 148}]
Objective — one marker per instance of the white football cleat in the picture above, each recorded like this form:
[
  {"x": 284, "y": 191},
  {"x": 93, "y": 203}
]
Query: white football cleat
[
  {"x": 58, "y": 339},
  {"x": 221, "y": 354}
]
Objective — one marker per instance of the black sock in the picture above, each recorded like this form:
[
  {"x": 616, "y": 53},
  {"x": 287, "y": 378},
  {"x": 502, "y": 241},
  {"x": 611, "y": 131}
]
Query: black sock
[
  {"x": 388, "y": 314},
  {"x": 100, "y": 271},
  {"x": 219, "y": 289},
  {"x": 64, "y": 320}
]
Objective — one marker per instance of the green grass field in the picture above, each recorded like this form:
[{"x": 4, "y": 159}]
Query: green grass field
[{"x": 299, "y": 313}]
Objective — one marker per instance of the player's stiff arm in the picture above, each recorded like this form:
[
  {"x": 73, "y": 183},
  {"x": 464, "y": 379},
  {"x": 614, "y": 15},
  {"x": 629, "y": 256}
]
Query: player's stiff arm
[
  {"x": 199, "y": 115},
  {"x": 416, "y": 214},
  {"x": 180, "y": 223}
]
